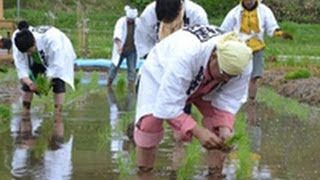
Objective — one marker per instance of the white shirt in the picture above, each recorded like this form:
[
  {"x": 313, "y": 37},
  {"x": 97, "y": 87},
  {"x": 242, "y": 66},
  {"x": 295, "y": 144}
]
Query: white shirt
[{"x": 267, "y": 22}]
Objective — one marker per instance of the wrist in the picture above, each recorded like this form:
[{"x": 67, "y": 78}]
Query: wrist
[
  {"x": 30, "y": 84},
  {"x": 195, "y": 131}
]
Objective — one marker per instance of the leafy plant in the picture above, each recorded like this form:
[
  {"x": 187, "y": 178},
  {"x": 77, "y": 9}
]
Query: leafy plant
[
  {"x": 299, "y": 74},
  {"x": 4, "y": 69},
  {"x": 43, "y": 85},
  {"x": 190, "y": 161}
]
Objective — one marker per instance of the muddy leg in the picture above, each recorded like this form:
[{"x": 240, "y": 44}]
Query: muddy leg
[
  {"x": 216, "y": 159},
  {"x": 145, "y": 160},
  {"x": 178, "y": 155},
  {"x": 26, "y": 102},
  {"x": 58, "y": 100},
  {"x": 251, "y": 104},
  {"x": 250, "y": 109}
]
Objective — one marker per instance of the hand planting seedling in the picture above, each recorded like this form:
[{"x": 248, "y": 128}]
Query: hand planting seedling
[
  {"x": 43, "y": 85},
  {"x": 230, "y": 143}
]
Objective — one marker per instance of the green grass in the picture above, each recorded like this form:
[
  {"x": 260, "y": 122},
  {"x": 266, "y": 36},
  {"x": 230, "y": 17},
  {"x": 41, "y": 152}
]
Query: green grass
[
  {"x": 282, "y": 105},
  {"x": 5, "y": 115},
  {"x": 298, "y": 74},
  {"x": 305, "y": 42}
]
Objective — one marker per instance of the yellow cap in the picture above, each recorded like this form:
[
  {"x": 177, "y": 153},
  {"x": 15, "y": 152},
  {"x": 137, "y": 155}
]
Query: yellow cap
[{"x": 233, "y": 54}]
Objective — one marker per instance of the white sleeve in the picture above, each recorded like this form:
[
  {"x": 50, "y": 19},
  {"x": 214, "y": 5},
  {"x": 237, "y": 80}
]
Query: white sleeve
[
  {"x": 146, "y": 35},
  {"x": 20, "y": 61},
  {"x": 196, "y": 14},
  {"x": 271, "y": 22},
  {"x": 117, "y": 32},
  {"x": 229, "y": 22}
]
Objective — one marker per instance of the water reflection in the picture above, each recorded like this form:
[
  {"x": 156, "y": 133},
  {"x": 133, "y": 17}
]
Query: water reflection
[
  {"x": 119, "y": 145},
  {"x": 55, "y": 162},
  {"x": 118, "y": 142},
  {"x": 24, "y": 131},
  {"x": 57, "y": 159}
]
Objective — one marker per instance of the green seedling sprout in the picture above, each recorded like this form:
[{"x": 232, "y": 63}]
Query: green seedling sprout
[
  {"x": 43, "y": 85},
  {"x": 231, "y": 142}
]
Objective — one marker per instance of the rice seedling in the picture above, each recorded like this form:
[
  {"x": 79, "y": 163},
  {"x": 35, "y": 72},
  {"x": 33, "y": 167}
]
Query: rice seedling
[
  {"x": 242, "y": 140},
  {"x": 43, "y": 85},
  {"x": 190, "y": 161},
  {"x": 5, "y": 115},
  {"x": 126, "y": 163},
  {"x": 104, "y": 136},
  {"x": 282, "y": 104},
  {"x": 4, "y": 70}
]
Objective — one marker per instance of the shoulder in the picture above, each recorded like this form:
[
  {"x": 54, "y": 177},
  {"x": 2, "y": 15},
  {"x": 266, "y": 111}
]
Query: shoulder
[
  {"x": 264, "y": 7},
  {"x": 149, "y": 9},
  {"x": 194, "y": 7},
  {"x": 121, "y": 20}
]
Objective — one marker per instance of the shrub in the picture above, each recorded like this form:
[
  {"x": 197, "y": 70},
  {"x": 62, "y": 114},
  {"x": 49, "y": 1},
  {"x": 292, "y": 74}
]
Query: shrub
[{"x": 299, "y": 74}]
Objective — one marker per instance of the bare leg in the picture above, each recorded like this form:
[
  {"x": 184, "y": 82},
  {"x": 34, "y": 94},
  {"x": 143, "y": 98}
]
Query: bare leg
[
  {"x": 58, "y": 102},
  {"x": 145, "y": 158},
  {"x": 178, "y": 154},
  {"x": 216, "y": 159},
  {"x": 251, "y": 104},
  {"x": 253, "y": 87},
  {"x": 26, "y": 102}
]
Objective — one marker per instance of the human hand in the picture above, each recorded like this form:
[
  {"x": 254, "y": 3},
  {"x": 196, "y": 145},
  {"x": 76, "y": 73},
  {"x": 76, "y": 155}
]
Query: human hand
[
  {"x": 33, "y": 87},
  {"x": 208, "y": 139},
  {"x": 225, "y": 133},
  {"x": 119, "y": 50},
  {"x": 287, "y": 36}
]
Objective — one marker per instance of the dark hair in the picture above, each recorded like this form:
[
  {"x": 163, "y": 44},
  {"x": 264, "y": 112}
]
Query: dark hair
[
  {"x": 24, "y": 40},
  {"x": 23, "y": 25},
  {"x": 6, "y": 43},
  {"x": 167, "y": 10}
]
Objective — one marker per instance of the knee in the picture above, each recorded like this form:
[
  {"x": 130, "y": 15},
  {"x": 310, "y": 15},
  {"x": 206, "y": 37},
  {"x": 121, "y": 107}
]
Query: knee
[{"x": 148, "y": 132}]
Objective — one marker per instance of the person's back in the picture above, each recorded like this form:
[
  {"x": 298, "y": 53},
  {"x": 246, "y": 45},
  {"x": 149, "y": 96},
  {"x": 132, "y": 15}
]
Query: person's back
[{"x": 157, "y": 12}]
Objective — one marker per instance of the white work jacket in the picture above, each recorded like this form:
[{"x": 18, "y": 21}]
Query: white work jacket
[
  {"x": 171, "y": 70},
  {"x": 267, "y": 22},
  {"x": 57, "y": 51},
  {"x": 147, "y": 29},
  {"x": 120, "y": 32}
]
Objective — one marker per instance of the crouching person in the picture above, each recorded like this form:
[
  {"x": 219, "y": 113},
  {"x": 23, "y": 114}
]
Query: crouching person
[
  {"x": 195, "y": 65},
  {"x": 43, "y": 50}
]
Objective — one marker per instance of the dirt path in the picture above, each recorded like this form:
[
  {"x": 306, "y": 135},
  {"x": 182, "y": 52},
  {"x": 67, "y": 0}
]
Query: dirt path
[{"x": 304, "y": 90}]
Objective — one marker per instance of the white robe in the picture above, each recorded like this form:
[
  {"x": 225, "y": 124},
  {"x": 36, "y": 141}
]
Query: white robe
[
  {"x": 170, "y": 68},
  {"x": 267, "y": 22},
  {"x": 120, "y": 32},
  {"x": 147, "y": 35},
  {"x": 59, "y": 54}
]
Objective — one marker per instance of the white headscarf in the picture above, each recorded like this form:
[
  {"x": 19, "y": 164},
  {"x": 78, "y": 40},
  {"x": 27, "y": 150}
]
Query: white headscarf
[
  {"x": 131, "y": 13},
  {"x": 233, "y": 54}
]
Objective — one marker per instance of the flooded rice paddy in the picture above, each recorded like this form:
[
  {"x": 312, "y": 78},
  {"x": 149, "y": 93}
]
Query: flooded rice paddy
[{"x": 89, "y": 142}]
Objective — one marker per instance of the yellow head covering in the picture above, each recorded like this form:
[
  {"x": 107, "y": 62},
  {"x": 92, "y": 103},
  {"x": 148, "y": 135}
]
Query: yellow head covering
[{"x": 233, "y": 54}]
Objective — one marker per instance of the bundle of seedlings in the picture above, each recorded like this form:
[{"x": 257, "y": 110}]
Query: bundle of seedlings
[{"x": 43, "y": 85}]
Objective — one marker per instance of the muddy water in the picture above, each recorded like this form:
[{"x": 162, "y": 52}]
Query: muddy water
[{"x": 86, "y": 142}]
